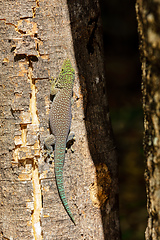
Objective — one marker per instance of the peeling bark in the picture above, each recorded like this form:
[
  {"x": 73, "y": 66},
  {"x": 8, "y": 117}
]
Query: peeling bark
[{"x": 36, "y": 36}]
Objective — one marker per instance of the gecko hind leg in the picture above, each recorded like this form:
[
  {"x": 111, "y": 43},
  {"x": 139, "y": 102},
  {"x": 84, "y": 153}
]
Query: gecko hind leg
[
  {"x": 71, "y": 139},
  {"x": 49, "y": 143}
]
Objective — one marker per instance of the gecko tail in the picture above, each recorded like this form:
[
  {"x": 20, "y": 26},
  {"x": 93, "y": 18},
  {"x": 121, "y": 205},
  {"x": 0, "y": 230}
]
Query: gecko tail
[{"x": 60, "y": 187}]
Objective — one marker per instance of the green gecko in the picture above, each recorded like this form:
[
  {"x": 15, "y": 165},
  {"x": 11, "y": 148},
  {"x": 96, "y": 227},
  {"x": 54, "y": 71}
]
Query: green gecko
[{"x": 60, "y": 121}]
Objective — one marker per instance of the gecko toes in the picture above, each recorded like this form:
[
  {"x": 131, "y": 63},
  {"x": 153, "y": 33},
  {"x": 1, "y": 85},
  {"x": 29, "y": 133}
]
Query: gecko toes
[{"x": 47, "y": 154}]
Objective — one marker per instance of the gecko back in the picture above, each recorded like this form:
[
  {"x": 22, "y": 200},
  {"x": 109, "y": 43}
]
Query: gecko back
[{"x": 60, "y": 121}]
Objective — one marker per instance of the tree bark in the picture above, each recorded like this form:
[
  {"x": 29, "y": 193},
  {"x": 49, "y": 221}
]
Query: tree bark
[
  {"x": 36, "y": 36},
  {"x": 148, "y": 15}
]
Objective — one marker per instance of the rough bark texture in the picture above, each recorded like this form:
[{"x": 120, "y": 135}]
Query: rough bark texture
[
  {"x": 36, "y": 36},
  {"x": 148, "y": 15}
]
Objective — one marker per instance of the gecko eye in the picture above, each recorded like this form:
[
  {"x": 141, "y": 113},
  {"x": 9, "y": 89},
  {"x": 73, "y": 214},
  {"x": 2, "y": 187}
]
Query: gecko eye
[{"x": 62, "y": 69}]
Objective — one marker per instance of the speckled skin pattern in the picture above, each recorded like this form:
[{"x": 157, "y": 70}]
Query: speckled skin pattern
[{"x": 60, "y": 121}]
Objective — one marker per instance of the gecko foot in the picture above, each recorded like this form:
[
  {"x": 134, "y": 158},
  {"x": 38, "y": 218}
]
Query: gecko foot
[
  {"x": 47, "y": 154},
  {"x": 49, "y": 144},
  {"x": 71, "y": 139}
]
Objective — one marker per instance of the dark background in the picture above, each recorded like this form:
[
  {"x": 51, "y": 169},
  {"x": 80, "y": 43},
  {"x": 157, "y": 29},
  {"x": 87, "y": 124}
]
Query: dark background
[{"x": 123, "y": 73}]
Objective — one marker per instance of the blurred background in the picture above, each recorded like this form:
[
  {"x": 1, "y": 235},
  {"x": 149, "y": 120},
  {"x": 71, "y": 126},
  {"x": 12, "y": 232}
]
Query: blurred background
[{"x": 123, "y": 72}]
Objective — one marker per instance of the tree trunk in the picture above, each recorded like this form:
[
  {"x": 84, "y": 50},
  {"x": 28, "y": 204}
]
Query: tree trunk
[
  {"x": 148, "y": 15},
  {"x": 36, "y": 36}
]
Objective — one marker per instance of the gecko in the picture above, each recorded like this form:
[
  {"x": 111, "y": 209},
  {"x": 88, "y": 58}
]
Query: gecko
[{"x": 60, "y": 121}]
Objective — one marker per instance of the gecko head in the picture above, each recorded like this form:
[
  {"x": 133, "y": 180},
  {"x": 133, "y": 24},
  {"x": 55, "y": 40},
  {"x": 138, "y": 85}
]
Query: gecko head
[{"x": 67, "y": 75}]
